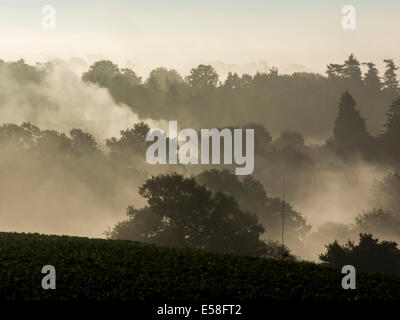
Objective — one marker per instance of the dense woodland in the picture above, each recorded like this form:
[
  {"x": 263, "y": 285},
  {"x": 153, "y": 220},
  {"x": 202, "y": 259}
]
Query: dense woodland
[
  {"x": 305, "y": 102},
  {"x": 355, "y": 114}
]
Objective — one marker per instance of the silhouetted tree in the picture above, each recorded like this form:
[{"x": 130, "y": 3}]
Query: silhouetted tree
[
  {"x": 25, "y": 73},
  {"x": 371, "y": 78},
  {"x": 350, "y": 132},
  {"x": 162, "y": 79},
  {"x": 102, "y": 73},
  {"x": 273, "y": 72},
  {"x": 287, "y": 101},
  {"x": 390, "y": 80},
  {"x": 51, "y": 143},
  {"x": 131, "y": 147},
  {"x": 290, "y": 139},
  {"x": 262, "y": 138},
  {"x": 251, "y": 196},
  {"x": 335, "y": 71},
  {"x": 180, "y": 212},
  {"x": 351, "y": 69},
  {"x": 130, "y": 77},
  {"x": 83, "y": 143},
  {"x": 232, "y": 81},
  {"x": 368, "y": 255},
  {"x": 391, "y": 134},
  {"x": 392, "y": 125},
  {"x": 204, "y": 76},
  {"x": 18, "y": 138}
]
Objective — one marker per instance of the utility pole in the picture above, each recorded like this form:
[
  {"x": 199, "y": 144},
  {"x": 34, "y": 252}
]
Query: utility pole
[{"x": 283, "y": 218}]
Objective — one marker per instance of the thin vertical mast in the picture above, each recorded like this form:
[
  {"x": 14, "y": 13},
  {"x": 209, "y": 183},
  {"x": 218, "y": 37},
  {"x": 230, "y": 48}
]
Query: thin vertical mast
[{"x": 283, "y": 216}]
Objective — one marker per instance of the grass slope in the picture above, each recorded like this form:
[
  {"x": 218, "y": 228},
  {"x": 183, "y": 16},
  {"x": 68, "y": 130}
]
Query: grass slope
[{"x": 113, "y": 269}]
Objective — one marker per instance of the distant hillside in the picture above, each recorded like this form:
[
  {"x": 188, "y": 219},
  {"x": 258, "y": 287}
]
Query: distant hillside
[{"x": 113, "y": 269}]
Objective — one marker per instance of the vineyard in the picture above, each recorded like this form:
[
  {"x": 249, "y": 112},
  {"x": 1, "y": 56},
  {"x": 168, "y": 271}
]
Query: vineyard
[{"x": 98, "y": 269}]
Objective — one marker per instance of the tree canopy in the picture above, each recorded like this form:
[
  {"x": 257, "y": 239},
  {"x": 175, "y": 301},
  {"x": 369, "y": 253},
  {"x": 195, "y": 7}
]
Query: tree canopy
[
  {"x": 180, "y": 212},
  {"x": 368, "y": 255}
]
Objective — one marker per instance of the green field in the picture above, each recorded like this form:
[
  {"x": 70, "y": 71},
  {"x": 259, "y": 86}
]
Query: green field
[{"x": 122, "y": 270}]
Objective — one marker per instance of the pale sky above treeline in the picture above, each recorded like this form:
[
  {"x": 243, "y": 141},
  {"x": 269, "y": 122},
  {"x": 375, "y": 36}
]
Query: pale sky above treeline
[{"x": 237, "y": 34}]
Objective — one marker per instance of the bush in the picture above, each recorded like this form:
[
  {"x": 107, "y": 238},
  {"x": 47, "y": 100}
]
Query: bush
[{"x": 369, "y": 254}]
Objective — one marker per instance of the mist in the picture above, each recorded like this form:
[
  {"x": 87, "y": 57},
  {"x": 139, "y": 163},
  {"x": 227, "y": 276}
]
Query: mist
[
  {"x": 62, "y": 101},
  {"x": 335, "y": 198},
  {"x": 37, "y": 195},
  {"x": 53, "y": 184}
]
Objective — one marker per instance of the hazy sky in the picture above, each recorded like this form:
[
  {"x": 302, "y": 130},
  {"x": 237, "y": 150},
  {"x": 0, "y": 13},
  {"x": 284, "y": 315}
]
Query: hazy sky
[{"x": 182, "y": 33}]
